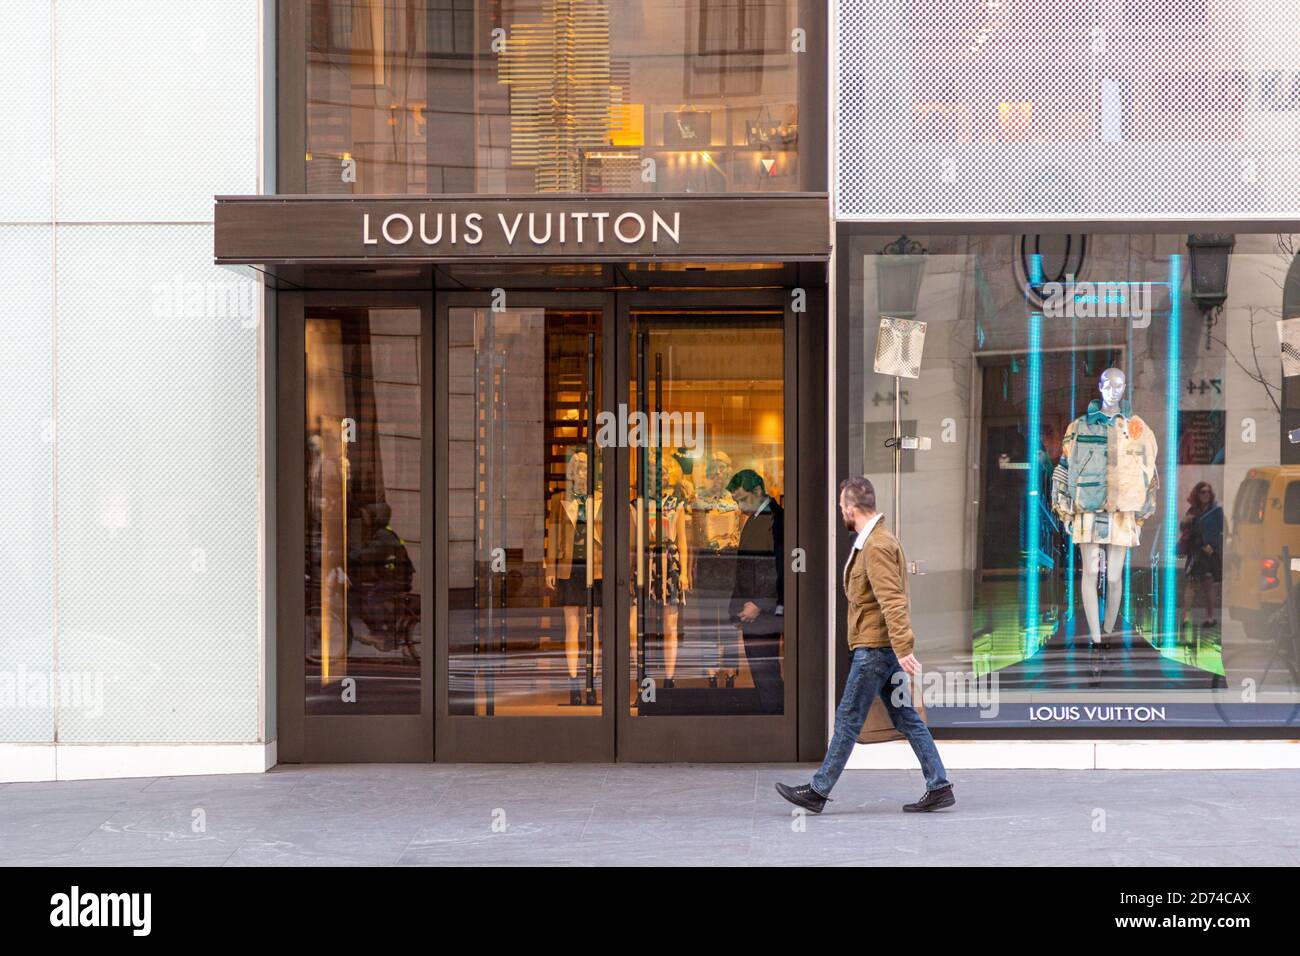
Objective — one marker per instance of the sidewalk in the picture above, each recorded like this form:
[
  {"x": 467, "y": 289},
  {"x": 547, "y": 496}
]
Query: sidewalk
[{"x": 644, "y": 815}]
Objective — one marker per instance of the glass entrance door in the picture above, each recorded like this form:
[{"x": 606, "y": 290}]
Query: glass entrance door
[
  {"x": 707, "y": 647},
  {"x": 353, "y": 554},
  {"x": 614, "y": 497},
  {"x": 525, "y": 515}
]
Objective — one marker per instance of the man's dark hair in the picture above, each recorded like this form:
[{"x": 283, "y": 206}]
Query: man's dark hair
[
  {"x": 748, "y": 479},
  {"x": 859, "y": 492}
]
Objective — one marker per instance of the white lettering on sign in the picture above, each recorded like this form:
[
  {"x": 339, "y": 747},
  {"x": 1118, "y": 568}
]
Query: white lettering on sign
[
  {"x": 1100, "y": 300},
  {"x": 583, "y": 228}
]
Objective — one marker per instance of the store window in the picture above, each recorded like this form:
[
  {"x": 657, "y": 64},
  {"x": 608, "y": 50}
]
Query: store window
[
  {"x": 568, "y": 96},
  {"x": 1104, "y": 517},
  {"x": 363, "y": 546}
]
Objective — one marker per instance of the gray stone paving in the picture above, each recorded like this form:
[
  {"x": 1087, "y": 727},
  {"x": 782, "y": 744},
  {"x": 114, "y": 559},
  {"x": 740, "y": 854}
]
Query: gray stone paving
[{"x": 638, "y": 815}]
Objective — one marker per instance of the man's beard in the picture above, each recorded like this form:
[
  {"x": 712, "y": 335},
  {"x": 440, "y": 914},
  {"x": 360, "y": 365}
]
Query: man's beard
[{"x": 848, "y": 523}]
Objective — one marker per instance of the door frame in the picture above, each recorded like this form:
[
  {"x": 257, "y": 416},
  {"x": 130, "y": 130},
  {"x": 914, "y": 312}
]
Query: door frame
[
  {"x": 505, "y": 738},
  {"x": 311, "y": 738},
  {"x": 799, "y": 733},
  {"x": 714, "y": 738}
]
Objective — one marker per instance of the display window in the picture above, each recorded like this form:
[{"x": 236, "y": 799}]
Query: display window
[{"x": 1088, "y": 445}]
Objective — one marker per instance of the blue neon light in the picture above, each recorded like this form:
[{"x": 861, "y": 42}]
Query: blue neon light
[
  {"x": 1032, "y": 439},
  {"x": 1169, "y": 609}
]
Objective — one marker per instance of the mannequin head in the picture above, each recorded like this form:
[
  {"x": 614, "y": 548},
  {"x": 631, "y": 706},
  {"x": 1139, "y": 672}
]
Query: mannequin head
[
  {"x": 719, "y": 470},
  {"x": 576, "y": 473},
  {"x": 1111, "y": 385},
  {"x": 670, "y": 472}
]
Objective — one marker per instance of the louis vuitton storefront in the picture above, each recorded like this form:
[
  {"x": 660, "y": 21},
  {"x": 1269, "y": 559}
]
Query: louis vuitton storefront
[{"x": 550, "y": 396}]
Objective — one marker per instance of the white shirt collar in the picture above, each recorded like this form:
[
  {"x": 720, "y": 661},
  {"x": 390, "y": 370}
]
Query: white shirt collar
[
  {"x": 862, "y": 535},
  {"x": 767, "y": 500}
]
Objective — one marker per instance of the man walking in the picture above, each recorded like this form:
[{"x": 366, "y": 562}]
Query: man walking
[{"x": 880, "y": 639}]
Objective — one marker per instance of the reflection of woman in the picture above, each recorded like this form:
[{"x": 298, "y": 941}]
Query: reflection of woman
[
  {"x": 1201, "y": 540},
  {"x": 573, "y": 541}
]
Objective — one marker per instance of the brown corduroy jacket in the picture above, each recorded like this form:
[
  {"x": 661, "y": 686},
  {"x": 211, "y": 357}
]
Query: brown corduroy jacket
[
  {"x": 876, "y": 587},
  {"x": 877, "y": 592}
]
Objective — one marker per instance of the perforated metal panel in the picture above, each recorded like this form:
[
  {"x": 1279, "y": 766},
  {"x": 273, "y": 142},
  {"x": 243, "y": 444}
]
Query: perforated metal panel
[
  {"x": 129, "y": 576},
  {"x": 157, "y": 486},
  {"x": 1068, "y": 108},
  {"x": 25, "y": 47},
  {"x": 156, "y": 110},
  {"x": 26, "y": 520}
]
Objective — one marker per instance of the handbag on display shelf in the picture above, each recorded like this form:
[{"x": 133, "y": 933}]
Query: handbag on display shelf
[{"x": 765, "y": 130}]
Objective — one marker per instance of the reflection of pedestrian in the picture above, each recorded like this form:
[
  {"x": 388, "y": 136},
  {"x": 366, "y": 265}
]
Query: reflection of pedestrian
[
  {"x": 757, "y": 602},
  {"x": 383, "y": 573},
  {"x": 1201, "y": 540},
  {"x": 881, "y": 639}
]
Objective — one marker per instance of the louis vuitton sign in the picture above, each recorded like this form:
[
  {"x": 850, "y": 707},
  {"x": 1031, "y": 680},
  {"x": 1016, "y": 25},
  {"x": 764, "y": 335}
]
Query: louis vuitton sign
[
  {"x": 305, "y": 229},
  {"x": 447, "y": 229}
]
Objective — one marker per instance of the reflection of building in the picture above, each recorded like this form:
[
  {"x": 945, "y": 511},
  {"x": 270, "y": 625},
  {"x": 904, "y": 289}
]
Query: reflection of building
[{"x": 558, "y": 72}]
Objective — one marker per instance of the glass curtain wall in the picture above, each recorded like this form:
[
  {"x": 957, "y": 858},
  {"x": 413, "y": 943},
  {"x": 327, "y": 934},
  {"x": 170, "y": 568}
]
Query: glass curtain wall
[{"x": 545, "y": 96}]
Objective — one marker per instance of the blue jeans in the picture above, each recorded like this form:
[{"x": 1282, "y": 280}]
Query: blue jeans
[{"x": 870, "y": 675}]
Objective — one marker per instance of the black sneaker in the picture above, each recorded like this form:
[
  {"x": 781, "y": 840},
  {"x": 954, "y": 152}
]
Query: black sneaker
[
  {"x": 804, "y": 796},
  {"x": 933, "y": 800}
]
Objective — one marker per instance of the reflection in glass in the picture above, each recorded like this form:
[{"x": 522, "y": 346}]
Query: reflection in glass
[
  {"x": 526, "y": 513},
  {"x": 363, "y": 511},
  {"x": 1194, "y": 592},
  {"x": 537, "y": 96},
  {"x": 706, "y": 541}
]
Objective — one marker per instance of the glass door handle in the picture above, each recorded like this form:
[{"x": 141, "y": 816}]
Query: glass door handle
[
  {"x": 914, "y": 567},
  {"x": 640, "y": 542}
]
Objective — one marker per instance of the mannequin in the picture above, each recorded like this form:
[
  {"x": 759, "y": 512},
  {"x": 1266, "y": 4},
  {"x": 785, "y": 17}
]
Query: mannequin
[
  {"x": 573, "y": 542},
  {"x": 670, "y": 577},
  {"x": 714, "y": 535},
  {"x": 1103, "y": 489}
]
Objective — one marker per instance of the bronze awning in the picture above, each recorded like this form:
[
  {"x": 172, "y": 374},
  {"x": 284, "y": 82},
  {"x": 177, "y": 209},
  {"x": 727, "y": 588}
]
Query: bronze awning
[{"x": 370, "y": 230}]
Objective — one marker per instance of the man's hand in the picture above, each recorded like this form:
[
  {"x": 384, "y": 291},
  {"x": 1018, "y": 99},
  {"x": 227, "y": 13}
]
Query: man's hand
[
  {"x": 910, "y": 664},
  {"x": 1207, "y": 549},
  {"x": 749, "y": 613}
]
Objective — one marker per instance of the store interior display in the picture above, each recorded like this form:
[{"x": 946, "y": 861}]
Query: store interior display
[
  {"x": 574, "y": 566},
  {"x": 1073, "y": 406},
  {"x": 1103, "y": 489}
]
